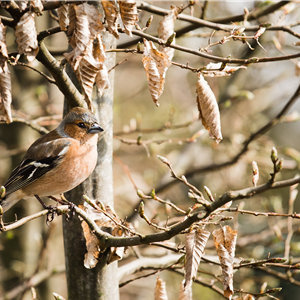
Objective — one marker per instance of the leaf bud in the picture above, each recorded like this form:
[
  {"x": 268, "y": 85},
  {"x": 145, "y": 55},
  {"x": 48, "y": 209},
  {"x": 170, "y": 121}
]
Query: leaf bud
[
  {"x": 164, "y": 160},
  {"x": 140, "y": 194},
  {"x": 170, "y": 39},
  {"x": 149, "y": 21},
  {"x": 279, "y": 165},
  {"x": 142, "y": 208},
  {"x": 274, "y": 157},
  {"x": 2, "y": 192}
]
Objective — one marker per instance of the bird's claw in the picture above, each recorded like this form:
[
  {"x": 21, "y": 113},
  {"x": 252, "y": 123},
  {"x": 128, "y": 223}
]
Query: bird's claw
[
  {"x": 71, "y": 212},
  {"x": 52, "y": 210}
]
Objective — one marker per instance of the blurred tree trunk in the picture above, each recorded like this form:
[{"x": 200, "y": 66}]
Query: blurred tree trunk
[{"x": 101, "y": 281}]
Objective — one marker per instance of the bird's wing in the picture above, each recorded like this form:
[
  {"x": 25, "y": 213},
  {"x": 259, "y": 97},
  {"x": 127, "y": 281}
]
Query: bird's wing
[{"x": 42, "y": 156}]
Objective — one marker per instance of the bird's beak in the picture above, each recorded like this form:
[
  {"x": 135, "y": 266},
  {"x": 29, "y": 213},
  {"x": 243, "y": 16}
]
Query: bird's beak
[{"x": 95, "y": 128}]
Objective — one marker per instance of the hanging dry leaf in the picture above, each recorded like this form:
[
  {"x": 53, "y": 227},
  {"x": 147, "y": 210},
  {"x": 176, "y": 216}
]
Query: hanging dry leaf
[
  {"x": 22, "y": 5},
  {"x": 86, "y": 73},
  {"x": 218, "y": 71},
  {"x": 92, "y": 243},
  {"x": 36, "y": 6},
  {"x": 225, "y": 241},
  {"x": 156, "y": 65},
  {"x": 160, "y": 290},
  {"x": 166, "y": 29},
  {"x": 102, "y": 80},
  {"x": 111, "y": 15},
  {"x": 3, "y": 48},
  {"x": 185, "y": 292},
  {"x": 208, "y": 109},
  {"x": 72, "y": 25},
  {"x": 255, "y": 171},
  {"x": 63, "y": 17},
  {"x": 195, "y": 242},
  {"x": 5, "y": 94},
  {"x": 129, "y": 15},
  {"x": 107, "y": 224},
  {"x": 87, "y": 27},
  {"x": 99, "y": 49},
  {"x": 26, "y": 36}
]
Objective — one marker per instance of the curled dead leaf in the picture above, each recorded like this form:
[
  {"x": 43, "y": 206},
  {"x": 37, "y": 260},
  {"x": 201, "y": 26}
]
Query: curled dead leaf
[
  {"x": 225, "y": 241},
  {"x": 22, "y": 4},
  {"x": 26, "y": 36},
  {"x": 102, "y": 80},
  {"x": 195, "y": 242},
  {"x": 185, "y": 292},
  {"x": 111, "y": 16},
  {"x": 156, "y": 65},
  {"x": 208, "y": 109},
  {"x": 129, "y": 15},
  {"x": 5, "y": 93},
  {"x": 160, "y": 290},
  {"x": 3, "y": 48},
  {"x": 36, "y": 6},
  {"x": 166, "y": 29},
  {"x": 107, "y": 224},
  {"x": 87, "y": 26},
  {"x": 63, "y": 16}
]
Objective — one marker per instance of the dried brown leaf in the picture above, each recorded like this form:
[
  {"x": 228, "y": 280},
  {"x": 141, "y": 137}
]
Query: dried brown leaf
[
  {"x": 166, "y": 29},
  {"x": 255, "y": 171},
  {"x": 195, "y": 242},
  {"x": 92, "y": 243},
  {"x": 86, "y": 73},
  {"x": 26, "y": 36},
  {"x": 208, "y": 109},
  {"x": 36, "y": 6},
  {"x": 3, "y": 48},
  {"x": 72, "y": 25},
  {"x": 108, "y": 224},
  {"x": 225, "y": 241},
  {"x": 185, "y": 292},
  {"x": 129, "y": 14},
  {"x": 111, "y": 15},
  {"x": 156, "y": 65},
  {"x": 160, "y": 290},
  {"x": 102, "y": 80},
  {"x": 5, "y": 93},
  {"x": 87, "y": 27},
  {"x": 99, "y": 49},
  {"x": 217, "y": 70},
  {"x": 22, "y": 4},
  {"x": 63, "y": 16},
  {"x": 92, "y": 246}
]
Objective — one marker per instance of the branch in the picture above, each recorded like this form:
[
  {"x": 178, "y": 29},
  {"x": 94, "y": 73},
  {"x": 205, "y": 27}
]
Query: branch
[
  {"x": 214, "y": 24},
  {"x": 250, "y": 192},
  {"x": 252, "y": 16},
  {"x": 33, "y": 281},
  {"x": 107, "y": 240},
  {"x": 239, "y": 61},
  {"x": 66, "y": 86},
  {"x": 31, "y": 123},
  {"x": 144, "y": 262},
  {"x": 235, "y": 159}
]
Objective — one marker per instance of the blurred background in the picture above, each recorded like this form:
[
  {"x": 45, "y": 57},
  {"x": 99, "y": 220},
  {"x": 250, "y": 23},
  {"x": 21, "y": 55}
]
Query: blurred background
[{"x": 248, "y": 99}]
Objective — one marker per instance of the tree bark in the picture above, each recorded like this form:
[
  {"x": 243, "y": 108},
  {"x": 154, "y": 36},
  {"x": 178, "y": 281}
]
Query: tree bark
[{"x": 100, "y": 282}]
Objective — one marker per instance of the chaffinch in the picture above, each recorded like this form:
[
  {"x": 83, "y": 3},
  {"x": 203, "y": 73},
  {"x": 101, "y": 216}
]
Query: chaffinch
[{"x": 58, "y": 161}]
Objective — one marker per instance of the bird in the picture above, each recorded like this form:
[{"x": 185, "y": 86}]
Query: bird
[{"x": 56, "y": 162}]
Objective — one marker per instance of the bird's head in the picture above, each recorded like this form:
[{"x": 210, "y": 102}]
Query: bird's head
[{"x": 80, "y": 123}]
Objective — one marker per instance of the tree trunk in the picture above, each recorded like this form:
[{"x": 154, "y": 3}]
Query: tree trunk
[{"x": 101, "y": 281}]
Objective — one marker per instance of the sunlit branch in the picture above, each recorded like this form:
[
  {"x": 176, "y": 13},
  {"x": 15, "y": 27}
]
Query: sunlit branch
[{"x": 235, "y": 159}]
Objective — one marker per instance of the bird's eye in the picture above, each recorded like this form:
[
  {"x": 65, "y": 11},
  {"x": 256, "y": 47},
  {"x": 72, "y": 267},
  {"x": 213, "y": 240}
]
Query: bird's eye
[{"x": 81, "y": 125}]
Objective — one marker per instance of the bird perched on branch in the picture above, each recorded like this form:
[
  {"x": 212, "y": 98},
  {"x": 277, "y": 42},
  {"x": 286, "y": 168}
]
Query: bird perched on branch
[{"x": 57, "y": 162}]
